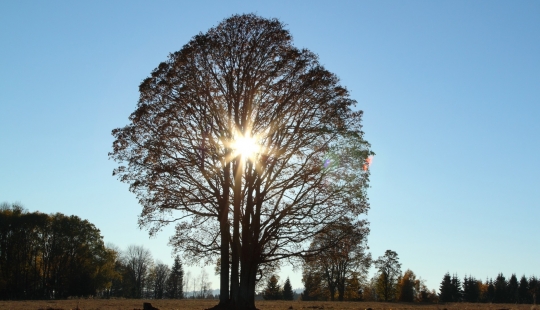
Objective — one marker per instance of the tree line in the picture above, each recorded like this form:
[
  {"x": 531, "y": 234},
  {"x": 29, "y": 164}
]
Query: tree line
[
  {"x": 346, "y": 280},
  {"x": 323, "y": 280},
  {"x": 273, "y": 290},
  {"x": 44, "y": 256},
  {"x": 55, "y": 256},
  {"x": 523, "y": 291},
  {"x": 137, "y": 275}
]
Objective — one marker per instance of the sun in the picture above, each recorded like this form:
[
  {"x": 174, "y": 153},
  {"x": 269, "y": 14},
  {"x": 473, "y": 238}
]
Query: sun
[{"x": 246, "y": 146}]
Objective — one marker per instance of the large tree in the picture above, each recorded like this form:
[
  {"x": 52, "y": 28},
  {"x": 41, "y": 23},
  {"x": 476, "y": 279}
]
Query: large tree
[{"x": 249, "y": 144}]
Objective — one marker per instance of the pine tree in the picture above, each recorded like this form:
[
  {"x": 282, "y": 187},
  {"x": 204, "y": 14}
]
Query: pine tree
[
  {"x": 523, "y": 290},
  {"x": 175, "y": 281},
  {"x": 445, "y": 289},
  {"x": 272, "y": 290},
  {"x": 500, "y": 289},
  {"x": 471, "y": 289},
  {"x": 534, "y": 290},
  {"x": 512, "y": 295},
  {"x": 456, "y": 289},
  {"x": 490, "y": 294},
  {"x": 287, "y": 290}
]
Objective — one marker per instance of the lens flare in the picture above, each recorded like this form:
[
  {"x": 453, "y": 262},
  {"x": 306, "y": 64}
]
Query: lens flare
[{"x": 368, "y": 162}]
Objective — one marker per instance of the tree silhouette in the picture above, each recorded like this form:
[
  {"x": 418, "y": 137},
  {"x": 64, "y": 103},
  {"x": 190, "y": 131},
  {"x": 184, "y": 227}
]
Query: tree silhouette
[
  {"x": 471, "y": 289},
  {"x": 138, "y": 261},
  {"x": 46, "y": 256},
  {"x": 160, "y": 273},
  {"x": 312, "y": 285},
  {"x": 534, "y": 289},
  {"x": 490, "y": 293},
  {"x": 457, "y": 292},
  {"x": 408, "y": 286},
  {"x": 389, "y": 271},
  {"x": 523, "y": 290},
  {"x": 287, "y": 290},
  {"x": 445, "y": 289},
  {"x": 342, "y": 250},
  {"x": 512, "y": 294},
  {"x": 500, "y": 289},
  {"x": 273, "y": 289},
  {"x": 249, "y": 144},
  {"x": 175, "y": 281}
]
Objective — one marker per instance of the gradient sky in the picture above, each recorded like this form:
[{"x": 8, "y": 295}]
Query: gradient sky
[{"x": 450, "y": 93}]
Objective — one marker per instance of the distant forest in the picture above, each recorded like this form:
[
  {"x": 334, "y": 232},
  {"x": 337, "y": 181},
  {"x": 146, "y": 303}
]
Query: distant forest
[
  {"x": 55, "y": 256},
  {"x": 333, "y": 277}
]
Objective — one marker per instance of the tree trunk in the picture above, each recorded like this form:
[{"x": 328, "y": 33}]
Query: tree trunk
[
  {"x": 224, "y": 298},
  {"x": 224, "y": 274},
  {"x": 341, "y": 292},
  {"x": 246, "y": 296},
  {"x": 235, "y": 247},
  {"x": 249, "y": 256}
]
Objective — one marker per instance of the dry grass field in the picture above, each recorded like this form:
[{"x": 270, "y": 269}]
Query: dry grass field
[{"x": 190, "y": 304}]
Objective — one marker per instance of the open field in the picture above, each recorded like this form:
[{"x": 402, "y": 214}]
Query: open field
[{"x": 190, "y": 304}]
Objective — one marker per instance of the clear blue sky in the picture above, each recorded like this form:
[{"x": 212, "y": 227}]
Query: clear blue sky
[{"x": 450, "y": 92}]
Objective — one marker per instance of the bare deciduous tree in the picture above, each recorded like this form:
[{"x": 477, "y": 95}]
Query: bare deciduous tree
[
  {"x": 160, "y": 273},
  {"x": 138, "y": 261},
  {"x": 249, "y": 144}
]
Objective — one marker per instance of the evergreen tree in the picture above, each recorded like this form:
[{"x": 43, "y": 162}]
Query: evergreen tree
[
  {"x": 490, "y": 294},
  {"x": 456, "y": 289},
  {"x": 175, "y": 289},
  {"x": 500, "y": 289},
  {"x": 534, "y": 290},
  {"x": 512, "y": 295},
  {"x": 471, "y": 289},
  {"x": 287, "y": 290},
  {"x": 523, "y": 290},
  {"x": 272, "y": 290},
  {"x": 445, "y": 289}
]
